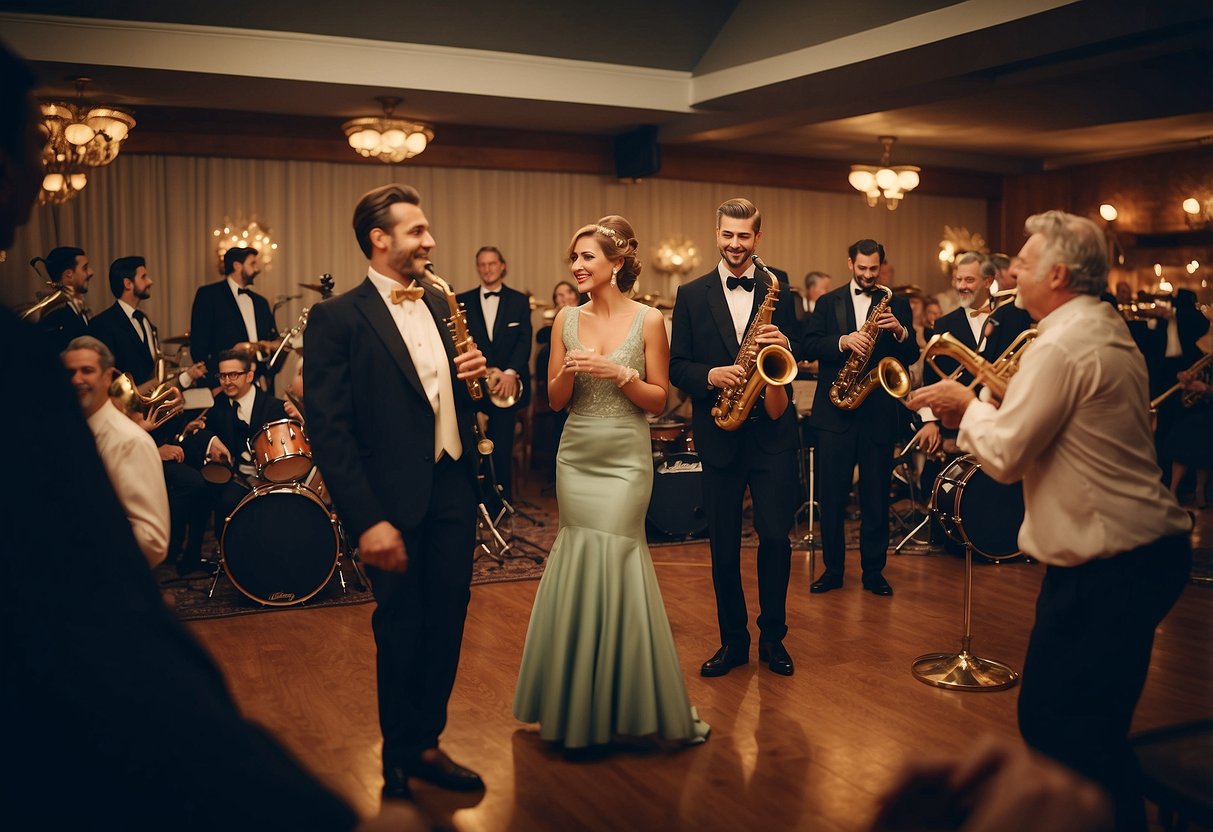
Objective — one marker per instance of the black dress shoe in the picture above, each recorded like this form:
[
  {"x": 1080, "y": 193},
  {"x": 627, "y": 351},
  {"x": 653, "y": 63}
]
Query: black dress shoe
[
  {"x": 877, "y": 586},
  {"x": 826, "y": 582},
  {"x": 444, "y": 773},
  {"x": 726, "y": 658},
  {"x": 396, "y": 784},
  {"x": 776, "y": 656}
]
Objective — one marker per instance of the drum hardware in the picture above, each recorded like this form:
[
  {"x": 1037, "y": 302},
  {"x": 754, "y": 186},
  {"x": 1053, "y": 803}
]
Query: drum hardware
[
  {"x": 963, "y": 670},
  {"x": 904, "y": 471},
  {"x": 810, "y": 508},
  {"x": 490, "y": 541},
  {"x": 181, "y": 340}
]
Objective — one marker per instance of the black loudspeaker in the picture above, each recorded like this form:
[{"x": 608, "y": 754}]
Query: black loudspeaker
[{"x": 637, "y": 154}]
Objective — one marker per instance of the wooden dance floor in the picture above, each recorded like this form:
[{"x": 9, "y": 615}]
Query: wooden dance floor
[{"x": 808, "y": 752}]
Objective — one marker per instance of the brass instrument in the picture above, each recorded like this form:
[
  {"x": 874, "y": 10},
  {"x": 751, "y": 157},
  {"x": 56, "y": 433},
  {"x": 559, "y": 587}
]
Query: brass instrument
[
  {"x": 852, "y": 386},
  {"x": 1190, "y": 397},
  {"x": 771, "y": 364},
  {"x": 57, "y": 297},
  {"x": 995, "y": 375},
  {"x": 192, "y": 426},
  {"x": 996, "y": 301},
  {"x": 259, "y": 351},
  {"x": 164, "y": 402},
  {"x": 502, "y": 401},
  {"x": 458, "y": 326}
]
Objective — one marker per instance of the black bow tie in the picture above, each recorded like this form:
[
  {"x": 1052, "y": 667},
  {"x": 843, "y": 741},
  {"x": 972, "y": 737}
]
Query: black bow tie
[
  {"x": 138, "y": 315},
  {"x": 746, "y": 283},
  {"x": 859, "y": 290},
  {"x": 244, "y": 291},
  {"x": 492, "y": 294}
]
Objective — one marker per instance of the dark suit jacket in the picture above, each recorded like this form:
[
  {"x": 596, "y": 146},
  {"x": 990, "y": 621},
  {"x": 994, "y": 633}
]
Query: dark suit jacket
[
  {"x": 1008, "y": 321},
  {"x": 61, "y": 325},
  {"x": 956, "y": 324},
  {"x": 703, "y": 337},
  {"x": 114, "y": 329},
  {"x": 216, "y": 324},
  {"x": 833, "y": 317},
  {"x": 510, "y": 347},
  {"x": 369, "y": 421},
  {"x": 221, "y": 421},
  {"x": 106, "y": 675}
]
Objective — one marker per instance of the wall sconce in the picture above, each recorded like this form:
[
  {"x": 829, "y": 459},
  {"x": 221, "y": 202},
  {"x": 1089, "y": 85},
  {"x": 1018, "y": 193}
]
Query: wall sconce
[
  {"x": 1108, "y": 212},
  {"x": 1198, "y": 213}
]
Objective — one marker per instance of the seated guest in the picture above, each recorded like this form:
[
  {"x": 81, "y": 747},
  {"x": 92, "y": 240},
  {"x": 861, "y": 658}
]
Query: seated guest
[
  {"x": 128, "y": 453},
  {"x": 236, "y": 416},
  {"x": 66, "y": 267}
]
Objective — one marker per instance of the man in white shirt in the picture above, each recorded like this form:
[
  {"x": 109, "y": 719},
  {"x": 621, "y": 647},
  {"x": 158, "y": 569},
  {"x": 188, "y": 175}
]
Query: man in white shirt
[
  {"x": 1075, "y": 427},
  {"x": 128, "y": 452}
]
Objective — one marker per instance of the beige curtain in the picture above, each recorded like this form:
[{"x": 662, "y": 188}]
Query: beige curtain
[{"x": 166, "y": 207}]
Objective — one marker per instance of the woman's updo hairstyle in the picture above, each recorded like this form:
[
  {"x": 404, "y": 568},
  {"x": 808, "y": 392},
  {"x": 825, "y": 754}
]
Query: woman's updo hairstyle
[{"x": 615, "y": 236}]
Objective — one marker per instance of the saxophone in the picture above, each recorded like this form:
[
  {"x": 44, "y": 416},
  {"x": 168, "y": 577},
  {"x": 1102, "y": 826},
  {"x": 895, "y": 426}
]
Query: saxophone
[
  {"x": 458, "y": 325},
  {"x": 771, "y": 364},
  {"x": 851, "y": 387}
]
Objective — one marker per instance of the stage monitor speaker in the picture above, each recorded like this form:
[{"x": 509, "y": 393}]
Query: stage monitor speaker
[{"x": 637, "y": 154}]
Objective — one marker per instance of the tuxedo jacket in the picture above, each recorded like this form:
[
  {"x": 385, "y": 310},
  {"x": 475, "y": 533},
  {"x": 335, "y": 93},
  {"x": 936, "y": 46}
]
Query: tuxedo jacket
[
  {"x": 703, "y": 337},
  {"x": 1004, "y": 325},
  {"x": 510, "y": 346},
  {"x": 114, "y": 329},
  {"x": 369, "y": 421},
  {"x": 222, "y": 421},
  {"x": 956, "y": 324},
  {"x": 216, "y": 323},
  {"x": 63, "y": 324},
  {"x": 833, "y": 317}
]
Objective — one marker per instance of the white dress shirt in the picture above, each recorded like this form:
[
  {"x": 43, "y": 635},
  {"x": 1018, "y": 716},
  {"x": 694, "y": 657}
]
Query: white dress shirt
[
  {"x": 1075, "y": 427},
  {"x": 741, "y": 302},
  {"x": 148, "y": 337},
  {"x": 977, "y": 325},
  {"x": 489, "y": 307},
  {"x": 246, "y": 308},
  {"x": 241, "y": 457},
  {"x": 135, "y": 471},
  {"x": 421, "y": 337}
]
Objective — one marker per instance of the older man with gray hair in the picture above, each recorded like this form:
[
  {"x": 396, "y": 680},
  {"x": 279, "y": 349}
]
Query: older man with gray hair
[
  {"x": 1074, "y": 426},
  {"x": 127, "y": 451}
]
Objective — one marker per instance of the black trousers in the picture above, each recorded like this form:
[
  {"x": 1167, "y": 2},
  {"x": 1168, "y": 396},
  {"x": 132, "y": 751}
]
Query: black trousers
[
  {"x": 772, "y": 482},
  {"x": 837, "y": 455},
  {"x": 418, "y": 623},
  {"x": 189, "y": 507},
  {"x": 1087, "y": 661}
]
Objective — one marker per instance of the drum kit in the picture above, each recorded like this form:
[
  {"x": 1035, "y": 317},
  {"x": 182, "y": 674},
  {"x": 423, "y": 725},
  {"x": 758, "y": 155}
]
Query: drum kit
[{"x": 676, "y": 509}]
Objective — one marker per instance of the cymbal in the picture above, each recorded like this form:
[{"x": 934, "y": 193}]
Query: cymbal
[
  {"x": 315, "y": 287},
  {"x": 176, "y": 339}
]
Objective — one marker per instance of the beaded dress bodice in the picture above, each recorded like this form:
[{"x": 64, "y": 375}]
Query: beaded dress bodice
[{"x": 599, "y": 396}]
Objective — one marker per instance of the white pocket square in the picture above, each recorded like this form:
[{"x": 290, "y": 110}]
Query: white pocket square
[{"x": 514, "y": 323}]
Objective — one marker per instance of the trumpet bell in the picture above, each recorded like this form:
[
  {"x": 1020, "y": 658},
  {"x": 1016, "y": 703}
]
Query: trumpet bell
[
  {"x": 893, "y": 377},
  {"x": 776, "y": 365}
]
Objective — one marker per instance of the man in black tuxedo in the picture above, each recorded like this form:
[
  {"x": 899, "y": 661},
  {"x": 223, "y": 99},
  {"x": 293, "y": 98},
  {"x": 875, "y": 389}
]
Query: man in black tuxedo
[
  {"x": 1009, "y": 319},
  {"x": 866, "y": 434},
  {"x": 229, "y": 312},
  {"x": 499, "y": 321},
  {"x": 67, "y": 266},
  {"x": 390, "y": 421},
  {"x": 236, "y": 416},
  {"x": 711, "y": 317},
  {"x": 133, "y": 339}
]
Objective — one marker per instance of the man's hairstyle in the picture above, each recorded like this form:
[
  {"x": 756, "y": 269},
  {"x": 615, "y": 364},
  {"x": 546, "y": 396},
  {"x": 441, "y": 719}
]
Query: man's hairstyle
[
  {"x": 374, "y": 210},
  {"x": 1000, "y": 260},
  {"x": 970, "y": 257},
  {"x": 813, "y": 278},
  {"x": 493, "y": 250},
  {"x": 87, "y": 342},
  {"x": 989, "y": 271},
  {"x": 61, "y": 259},
  {"x": 865, "y": 247},
  {"x": 235, "y": 256},
  {"x": 1076, "y": 243},
  {"x": 236, "y": 355},
  {"x": 124, "y": 268},
  {"x": 739, "y": 209}
]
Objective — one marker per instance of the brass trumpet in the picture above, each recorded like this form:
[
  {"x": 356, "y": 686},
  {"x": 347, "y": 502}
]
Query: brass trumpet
[
  {"x": 164, "y": 402},
  {"x": 995, "y": 375},
  {"x": 1190, "y": 397}
]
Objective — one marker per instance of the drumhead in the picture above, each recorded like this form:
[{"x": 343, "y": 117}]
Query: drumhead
[
  {"x": 280, "y": 545},
  {"x": 975, "y": 510},
  {"x": 676, "y": 505}
]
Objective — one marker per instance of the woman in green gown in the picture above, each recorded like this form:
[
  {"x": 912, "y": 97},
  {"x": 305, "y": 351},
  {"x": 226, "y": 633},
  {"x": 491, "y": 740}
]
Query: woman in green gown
[{"x": 599, "y": 663}]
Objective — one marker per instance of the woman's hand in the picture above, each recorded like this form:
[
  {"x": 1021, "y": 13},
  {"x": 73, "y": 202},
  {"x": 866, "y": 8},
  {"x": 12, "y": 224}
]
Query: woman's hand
[{"x": 588, "y": 361}]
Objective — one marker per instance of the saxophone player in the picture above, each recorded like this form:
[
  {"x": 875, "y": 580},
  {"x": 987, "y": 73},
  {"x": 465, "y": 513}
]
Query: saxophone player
[
  {"x": 864, "y": 434},
  {"x": 712, "y": 316}
]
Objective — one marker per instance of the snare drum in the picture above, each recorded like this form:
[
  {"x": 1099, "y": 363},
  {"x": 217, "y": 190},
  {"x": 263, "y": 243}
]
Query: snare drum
[
  {"x": 280, "y": 544},
  {"x": 281, "y": 451},
  {"x": 216, "y": 472},
  {"x": 976, "y": 511}
]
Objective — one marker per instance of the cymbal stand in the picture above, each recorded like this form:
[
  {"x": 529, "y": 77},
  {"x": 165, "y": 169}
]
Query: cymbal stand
[
  {"x": 810, "y": 506},
  {"x": 492, "y": 543},
  {"x": 903, "y": 459},
  {"x": 507, "y": 513},
  {"x": 963, "y": 670}
]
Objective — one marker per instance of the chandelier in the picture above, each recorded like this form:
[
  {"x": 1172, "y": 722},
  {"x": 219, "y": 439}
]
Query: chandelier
[
  {"x": 79, "y": 136},
  {"x": 245, "y": 234},
  {"x": 387, "y": 138},
  {"x": 888, "y": 183}
]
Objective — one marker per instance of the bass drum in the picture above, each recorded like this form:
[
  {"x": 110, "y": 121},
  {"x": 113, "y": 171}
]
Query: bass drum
[
  {"x": 976, "y": 511},
  {"x": 280, "y": 545},
  {"x": 676, "y": 506}
]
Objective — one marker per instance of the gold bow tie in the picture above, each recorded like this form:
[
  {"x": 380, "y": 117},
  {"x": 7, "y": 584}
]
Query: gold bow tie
[{"x": 401, "y": 294}]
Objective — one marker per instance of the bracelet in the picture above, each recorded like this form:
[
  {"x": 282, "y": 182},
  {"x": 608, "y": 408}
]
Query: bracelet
[{"x": 626, "y": 376}]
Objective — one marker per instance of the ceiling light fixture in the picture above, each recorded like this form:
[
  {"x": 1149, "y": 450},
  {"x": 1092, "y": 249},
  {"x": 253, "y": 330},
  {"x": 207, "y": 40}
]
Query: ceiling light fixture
[
  {"x": 79, "y": 136},
  {"x": 884, "y": 182},
  {"x": 387, "y": 138}
]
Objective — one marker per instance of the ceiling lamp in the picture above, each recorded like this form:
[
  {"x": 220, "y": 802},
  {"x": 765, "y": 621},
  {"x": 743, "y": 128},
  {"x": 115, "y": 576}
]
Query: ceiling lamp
[
  {"x": 79, "y": 136},
  {"x": 888, "y": 183},
  {"x": 387, "y": 138}
]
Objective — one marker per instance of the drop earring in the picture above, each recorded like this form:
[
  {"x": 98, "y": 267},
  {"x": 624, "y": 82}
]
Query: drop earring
[{"x": 614, "y": 272}]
